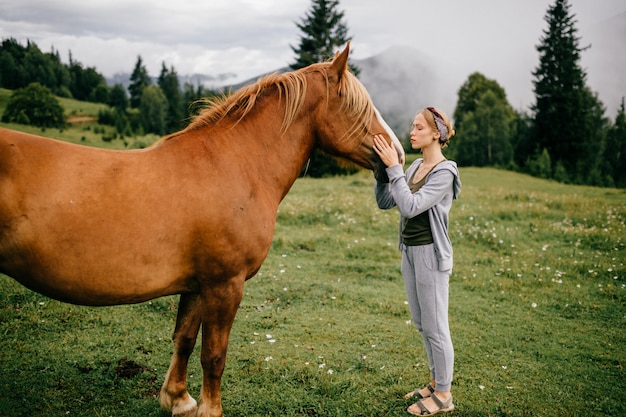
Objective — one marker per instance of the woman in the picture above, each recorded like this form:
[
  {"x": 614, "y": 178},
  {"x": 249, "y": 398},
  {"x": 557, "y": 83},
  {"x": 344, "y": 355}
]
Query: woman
[{"x": 424, "y": 196}]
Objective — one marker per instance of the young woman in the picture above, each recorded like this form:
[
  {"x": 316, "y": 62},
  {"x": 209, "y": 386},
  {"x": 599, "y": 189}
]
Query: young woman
[{"x": 424, "y": 195}]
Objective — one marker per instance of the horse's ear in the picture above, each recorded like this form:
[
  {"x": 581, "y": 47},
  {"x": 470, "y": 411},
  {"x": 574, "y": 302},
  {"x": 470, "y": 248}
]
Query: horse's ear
[{"x": 340, "y": 62}]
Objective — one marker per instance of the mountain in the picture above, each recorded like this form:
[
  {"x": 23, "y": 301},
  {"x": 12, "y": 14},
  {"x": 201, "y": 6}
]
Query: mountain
[
  {"x": 208, "y": 81},
  {"x": 400, "y": 82}
]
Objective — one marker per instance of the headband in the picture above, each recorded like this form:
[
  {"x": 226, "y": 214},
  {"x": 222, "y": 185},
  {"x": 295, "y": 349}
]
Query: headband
[{"x": 441, "y": 125}]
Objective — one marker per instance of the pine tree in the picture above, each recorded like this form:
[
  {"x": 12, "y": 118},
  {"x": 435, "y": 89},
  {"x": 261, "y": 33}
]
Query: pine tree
[
  {"x": 168, "y": 81},
  {"x": 323, "y": 32},
  {"x": 566, "y": 112},
  {"x": 139, "y": 80},
  {"x": 615, "y": 152}
]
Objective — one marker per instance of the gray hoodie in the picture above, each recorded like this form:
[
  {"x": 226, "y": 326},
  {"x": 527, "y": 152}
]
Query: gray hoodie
[{"x": 442, "y": 186}]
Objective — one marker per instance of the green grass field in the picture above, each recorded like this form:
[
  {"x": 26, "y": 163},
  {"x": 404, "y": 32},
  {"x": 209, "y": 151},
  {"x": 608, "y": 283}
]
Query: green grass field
[
  {"x": 538, "y": 311},
  {"x": 538, "y": 308}
]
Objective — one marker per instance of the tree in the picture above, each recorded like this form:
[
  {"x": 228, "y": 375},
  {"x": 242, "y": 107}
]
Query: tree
[
  {"x": 323, "y": 32},
  {"x": 568, "y": 117},
  {"x": 84, "y": 82},
  {"x": 168, "y": 81},
  {"x": 615, "y": 152},
  {"x": 118, "y": 98},
  {"x": 139, "y": 79},
  {"x": 153, "y": 110},
  {"x": 195, "y": 98},
  {"x": 485, "y": 124},
  {"x": 34, "y": 105}
]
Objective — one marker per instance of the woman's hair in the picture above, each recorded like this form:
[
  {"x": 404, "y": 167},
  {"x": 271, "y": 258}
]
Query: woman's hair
[{"x": 440, "y": 122}]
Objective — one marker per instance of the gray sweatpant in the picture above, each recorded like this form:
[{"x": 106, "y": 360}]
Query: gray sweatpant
[{"x": 427, "y": 292}]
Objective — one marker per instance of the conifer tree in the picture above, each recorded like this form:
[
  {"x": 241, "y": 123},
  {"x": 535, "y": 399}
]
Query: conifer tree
[
  {"x": 566, "y": 120},
  {"x": 168, "y": 81},
  {"x": 615, "y": 152},
  {"x": 323, "y": 33},
  {"x": 139, "y": 79}
]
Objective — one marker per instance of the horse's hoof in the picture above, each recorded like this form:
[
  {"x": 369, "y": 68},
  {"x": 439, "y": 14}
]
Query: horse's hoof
[{"x": 186, "y": 410}]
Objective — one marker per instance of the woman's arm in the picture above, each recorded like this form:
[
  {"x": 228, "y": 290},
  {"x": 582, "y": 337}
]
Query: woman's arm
[{"x": 410, "y": 205}]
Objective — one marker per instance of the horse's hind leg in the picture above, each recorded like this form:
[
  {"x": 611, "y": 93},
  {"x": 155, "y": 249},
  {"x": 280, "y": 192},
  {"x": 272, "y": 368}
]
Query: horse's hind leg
[{"x": 174, "y": 396}]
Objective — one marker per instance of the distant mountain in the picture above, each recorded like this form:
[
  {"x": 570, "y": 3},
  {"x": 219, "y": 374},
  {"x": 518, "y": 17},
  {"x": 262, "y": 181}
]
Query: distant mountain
[
  {"x": 211, "y": 82},
  {"x": 400, "y": 83}
]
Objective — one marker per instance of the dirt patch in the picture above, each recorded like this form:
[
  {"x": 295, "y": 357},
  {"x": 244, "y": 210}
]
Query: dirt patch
[
  {"x": 81, "y": 119},
  {"x": 127, "y": 368}
]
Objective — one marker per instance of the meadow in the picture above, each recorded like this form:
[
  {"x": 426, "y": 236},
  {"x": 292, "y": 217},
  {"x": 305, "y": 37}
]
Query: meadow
[{"x": 537, "y": 310}]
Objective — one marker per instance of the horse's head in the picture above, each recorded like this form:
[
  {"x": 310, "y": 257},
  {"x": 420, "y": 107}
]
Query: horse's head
[{"x": 347, "y": 120}]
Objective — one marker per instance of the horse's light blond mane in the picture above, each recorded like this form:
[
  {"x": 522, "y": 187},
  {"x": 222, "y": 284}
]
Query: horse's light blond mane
[{"x": 292, "y": 86}]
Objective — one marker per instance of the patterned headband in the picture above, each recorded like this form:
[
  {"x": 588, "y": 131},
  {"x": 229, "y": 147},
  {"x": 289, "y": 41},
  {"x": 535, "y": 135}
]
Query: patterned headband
[{"x": 441, "y": 125}]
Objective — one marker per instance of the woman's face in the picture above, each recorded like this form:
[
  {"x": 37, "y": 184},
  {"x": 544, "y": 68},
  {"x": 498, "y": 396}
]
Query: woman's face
[{"x": 422, "y": 134}]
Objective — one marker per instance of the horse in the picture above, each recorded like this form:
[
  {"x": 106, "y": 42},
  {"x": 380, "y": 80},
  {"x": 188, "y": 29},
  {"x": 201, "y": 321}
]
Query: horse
[{"x": 193, "y": 214}]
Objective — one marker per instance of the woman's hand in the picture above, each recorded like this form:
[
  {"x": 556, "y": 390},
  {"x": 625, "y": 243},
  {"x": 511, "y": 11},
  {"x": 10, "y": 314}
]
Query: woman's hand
[{"x": 385, "y": 151}]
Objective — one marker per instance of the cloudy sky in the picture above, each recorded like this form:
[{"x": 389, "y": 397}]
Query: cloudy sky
[{"x": 246, "y": 38}]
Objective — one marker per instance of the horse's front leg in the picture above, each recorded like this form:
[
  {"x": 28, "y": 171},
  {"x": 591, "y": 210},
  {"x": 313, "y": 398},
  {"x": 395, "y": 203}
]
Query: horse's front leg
[
  {"x": 220, "y": 305},
  {"x": 174, "y": 396}
]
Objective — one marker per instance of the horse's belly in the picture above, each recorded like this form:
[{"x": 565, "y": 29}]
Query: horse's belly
[
  {"x": 92, "y": 271},
  {"x": 97, "y": 289}
]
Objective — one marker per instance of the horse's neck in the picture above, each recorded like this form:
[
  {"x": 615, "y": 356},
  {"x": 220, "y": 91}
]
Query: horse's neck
[
  {"x": 283, "y": 154},
  {"x": 270, "y": 157}
]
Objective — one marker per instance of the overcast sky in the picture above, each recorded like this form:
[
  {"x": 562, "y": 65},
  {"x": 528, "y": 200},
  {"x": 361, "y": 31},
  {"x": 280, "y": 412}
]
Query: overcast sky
[{"x": 247, "y": 38}]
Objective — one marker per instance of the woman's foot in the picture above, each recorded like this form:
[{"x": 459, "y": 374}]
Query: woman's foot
[
  {"x": 421, "y": 393},
  {"x": 432, "y": 405}
]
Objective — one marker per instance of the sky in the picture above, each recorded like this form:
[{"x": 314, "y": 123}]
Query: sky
[{"x": 235, "y": 40}]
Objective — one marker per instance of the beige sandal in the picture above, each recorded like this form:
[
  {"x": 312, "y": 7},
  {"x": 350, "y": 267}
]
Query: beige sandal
[
  {"x": 417, "y": 394},
  {"x": 444, "y": 407}
]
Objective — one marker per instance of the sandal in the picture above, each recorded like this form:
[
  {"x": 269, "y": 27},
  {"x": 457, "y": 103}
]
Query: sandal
[
  {"x": 417, "y": 394},
  {"x": 444, "y": 407}
]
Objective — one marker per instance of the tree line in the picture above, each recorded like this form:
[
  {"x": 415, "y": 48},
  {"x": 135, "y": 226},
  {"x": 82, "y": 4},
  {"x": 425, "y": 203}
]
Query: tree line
[
  {"x": 158, "y": 106},
  {"x": 564, "y": 136}
]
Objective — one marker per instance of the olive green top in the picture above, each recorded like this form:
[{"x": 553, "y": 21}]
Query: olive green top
[{"x": 416, "y": 230}]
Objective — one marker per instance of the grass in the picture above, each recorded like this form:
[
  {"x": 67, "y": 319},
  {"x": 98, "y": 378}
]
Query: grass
[{"x": 538, "y": 308}]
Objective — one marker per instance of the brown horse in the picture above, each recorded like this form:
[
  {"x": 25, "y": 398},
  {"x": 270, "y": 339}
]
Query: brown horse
[{"x": 193, "y": 214}]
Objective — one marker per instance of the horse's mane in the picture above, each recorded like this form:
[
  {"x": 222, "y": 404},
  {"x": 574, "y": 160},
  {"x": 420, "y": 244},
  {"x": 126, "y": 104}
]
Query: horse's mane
[{"x": 293, "y": 86}]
